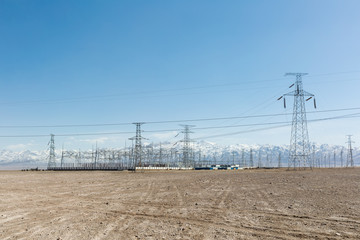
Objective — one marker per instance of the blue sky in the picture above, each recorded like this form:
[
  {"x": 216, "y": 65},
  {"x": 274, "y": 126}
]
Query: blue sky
[{"x": 89, "y": 62}]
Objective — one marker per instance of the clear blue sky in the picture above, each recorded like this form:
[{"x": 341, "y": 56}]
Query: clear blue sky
[{"x": 85, "y": 62}]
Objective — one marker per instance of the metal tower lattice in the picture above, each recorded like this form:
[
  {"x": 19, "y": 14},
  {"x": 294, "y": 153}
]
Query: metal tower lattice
[
  {"x": 137, "y": 154},
  {"x": 350, "y": 160},
  {"x": 279, "y": 160},
  {"x": 52, "y": 160},
  {"x": 313, "y": 162},
  {"x": 299, "y": 143},
  {"x": 259, "y": 160},
  {"x": 188, "y": 160},
  {"x": 251, "y": 158}
]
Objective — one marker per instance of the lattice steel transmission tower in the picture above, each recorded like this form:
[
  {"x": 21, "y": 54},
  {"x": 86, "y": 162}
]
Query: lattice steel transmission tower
[
  {"x": 52, "y": 160},
  {"x": 243, "y": 158},
  {"x": 188, "y": 160},
  {"x": 279, "y": 160},
  {"x": 349, "y": 160},
  {"x": 314, "y": 164},
  {"x": 259, "y": 160},
  {"x": 251, "y": 158},
  {"x": 137, "y": 155},
  {"x": 299, "y": 143}
]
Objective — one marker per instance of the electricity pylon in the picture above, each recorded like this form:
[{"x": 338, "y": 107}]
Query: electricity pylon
[
  {"x": 138, "y": 146},
  {"x": 251, "y": 158},
  {"x": 188, "y": 160},
  {"x": 299, "y": 143},
  {"x": 259, "y": 160},
  {"x": 52, "y": 160},
  {"x": 349, "y": 160},
  {"x": 279, "y": 160},
  {"x": 243, "y": 161},
  {"x": 341, "y": 157}
]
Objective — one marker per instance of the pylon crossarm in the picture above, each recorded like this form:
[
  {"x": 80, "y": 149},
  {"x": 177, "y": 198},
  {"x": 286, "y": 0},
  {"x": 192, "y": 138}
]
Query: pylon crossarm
[
  {"x": 290, "y": 93},
  {"x": 307, "y": 94}
]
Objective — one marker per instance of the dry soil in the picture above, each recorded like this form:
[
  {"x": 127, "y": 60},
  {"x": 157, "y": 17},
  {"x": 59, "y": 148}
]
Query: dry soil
[{"x": 237, "y": 204}]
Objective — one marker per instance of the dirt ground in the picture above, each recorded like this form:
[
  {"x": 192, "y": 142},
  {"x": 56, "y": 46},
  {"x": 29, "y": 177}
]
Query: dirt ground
[{"x": 238, "y": 204}]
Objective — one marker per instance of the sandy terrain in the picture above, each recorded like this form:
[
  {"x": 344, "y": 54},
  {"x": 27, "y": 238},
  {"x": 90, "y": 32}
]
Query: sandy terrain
[{"x": 250, "y": 204}]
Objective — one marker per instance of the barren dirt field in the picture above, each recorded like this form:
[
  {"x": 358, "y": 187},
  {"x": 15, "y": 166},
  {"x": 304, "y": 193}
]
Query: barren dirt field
[{"x": 248, "y": 204}]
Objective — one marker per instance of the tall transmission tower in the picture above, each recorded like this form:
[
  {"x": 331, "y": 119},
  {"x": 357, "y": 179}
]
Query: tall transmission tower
[
  {"x": 259, "y": 160},
  {"x": 188, "y": 160},
  {"x": 52, "y": 160},
  {"x": 251, "y": 158},
  {"x": 62, "y": 156},
  {"x": 160, "y": 154},
  {"x": 299, "y": 143},
  {"x": 233, "y": 158},
  {"x": 243, "y": 158},
  {"x": 313, "y": 162},
  {"x": 341, "y": 157},
  {"x": 137, "y": 156},
  {"x": 349, "y": 160},
  {"x": 279, "y": 160}
]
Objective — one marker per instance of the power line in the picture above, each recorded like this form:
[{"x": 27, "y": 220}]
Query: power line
[
  {"x": 275, "y": 123},
  {"x": 269, "y": 128},
  {"x": 124, "y": 94},
  {"x": 329, "y": 74},
  {"x": 142, "y": 93},
  {"x": 249, "y": 116},
  {"x": 353, "y": 115},
  {"x": 172, "y": 121},
  {"x": 64, "y": 135}
]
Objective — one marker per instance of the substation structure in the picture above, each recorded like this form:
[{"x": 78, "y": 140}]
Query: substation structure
[
  {"x": 119, "y": 159},
  {"x": 100, "y": 159},
  {"x": 158, "y": 157},
  {"x": 124, "y": 159}
]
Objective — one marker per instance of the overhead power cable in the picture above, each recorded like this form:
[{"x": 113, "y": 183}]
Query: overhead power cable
[
  {"x": 171, "y": 121},
  {"x": 353, "y": 115},
  {"x": 142, "y": 93}
]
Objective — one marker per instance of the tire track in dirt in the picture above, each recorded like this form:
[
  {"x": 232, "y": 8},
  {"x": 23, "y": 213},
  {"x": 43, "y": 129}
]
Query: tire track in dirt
[
  {"x": 163, "y": 206},
  {"x": 224, "y": 194},
  {"x": 146, "y": 192},
  {"x": 112, "y": 226},
  {"x": 279, "y": 233},
  {"x": 149, "y": 192},
  {"x": 180, "y": 198},
  {"x": 346, "y": 224},
  {"x": 254, "y": 230},
  {"x": 5, "y": 219},
  {"x": 266, "y": 199}
]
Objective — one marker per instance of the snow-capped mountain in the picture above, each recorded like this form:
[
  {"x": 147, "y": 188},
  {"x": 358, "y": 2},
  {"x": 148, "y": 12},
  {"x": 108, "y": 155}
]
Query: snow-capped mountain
[{"x": 22, "y": 159}]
